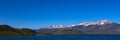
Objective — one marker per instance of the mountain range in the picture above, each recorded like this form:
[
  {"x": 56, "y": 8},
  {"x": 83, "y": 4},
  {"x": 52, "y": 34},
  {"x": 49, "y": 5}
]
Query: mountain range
[{"x": 100, "y": 27}]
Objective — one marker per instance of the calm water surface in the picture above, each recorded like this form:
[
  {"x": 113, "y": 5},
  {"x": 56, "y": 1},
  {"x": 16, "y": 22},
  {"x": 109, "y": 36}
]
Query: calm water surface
[{"x": 62, "y": 37}]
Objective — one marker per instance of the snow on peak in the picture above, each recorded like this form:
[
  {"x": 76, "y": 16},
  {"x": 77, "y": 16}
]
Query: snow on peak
[
  {"x": 56, "y": 26},
  {"x": 102, "y": 22}
]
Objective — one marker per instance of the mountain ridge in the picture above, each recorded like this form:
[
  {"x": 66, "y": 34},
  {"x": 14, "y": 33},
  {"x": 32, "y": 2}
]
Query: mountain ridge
[
  {"x": 101, "y": 22},
  {"x": 102, "y": 27}
]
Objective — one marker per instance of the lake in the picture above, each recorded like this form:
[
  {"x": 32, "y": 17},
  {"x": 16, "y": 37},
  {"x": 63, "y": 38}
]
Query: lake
[{"x": 63, "y": 37}]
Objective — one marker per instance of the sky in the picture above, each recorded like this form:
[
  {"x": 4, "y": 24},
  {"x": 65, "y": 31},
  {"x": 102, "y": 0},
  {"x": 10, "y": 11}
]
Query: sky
[{"x": 40, "y": 13}]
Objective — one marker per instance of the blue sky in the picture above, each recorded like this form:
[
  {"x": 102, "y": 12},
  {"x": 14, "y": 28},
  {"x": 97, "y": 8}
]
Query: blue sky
[{"x": 38, "y": 13}]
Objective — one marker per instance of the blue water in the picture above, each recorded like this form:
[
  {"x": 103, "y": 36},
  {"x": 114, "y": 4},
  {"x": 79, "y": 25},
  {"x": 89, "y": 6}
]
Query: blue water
[{"x": 62, "y": 37}]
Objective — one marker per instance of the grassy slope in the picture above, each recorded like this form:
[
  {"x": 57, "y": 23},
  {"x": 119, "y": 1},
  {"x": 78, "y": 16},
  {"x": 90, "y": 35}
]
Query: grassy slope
[{"x": 10, "y": 33}]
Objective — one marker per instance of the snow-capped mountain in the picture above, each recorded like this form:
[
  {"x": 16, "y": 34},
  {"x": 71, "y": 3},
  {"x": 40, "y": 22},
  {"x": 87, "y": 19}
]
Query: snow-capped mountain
[
  {"x": 55, "y": 26},
  {"x": 102, "y": 22},
  {"x": 102, "y": 27}
]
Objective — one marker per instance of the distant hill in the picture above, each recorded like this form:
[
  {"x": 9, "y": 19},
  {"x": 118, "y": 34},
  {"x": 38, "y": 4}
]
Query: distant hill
[{"x": 6, "y": 30}]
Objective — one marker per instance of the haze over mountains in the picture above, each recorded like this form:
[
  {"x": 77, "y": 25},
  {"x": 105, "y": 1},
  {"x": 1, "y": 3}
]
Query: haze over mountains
[{"x": 100, "y": 27}]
